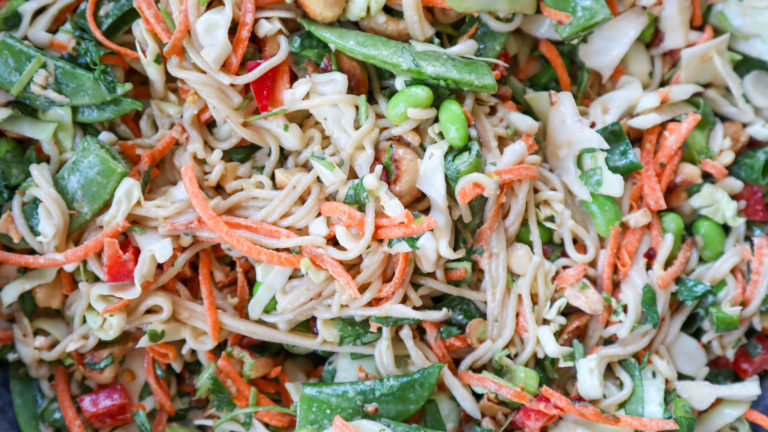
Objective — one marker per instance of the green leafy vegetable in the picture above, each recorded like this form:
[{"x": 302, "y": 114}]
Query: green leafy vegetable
[
  {"x": 10, "y": 18},
  {"x": 353, "y": 332},
  {"x": 356, "y": 194},
  {"x": 219, "y": 395},
  {"x": 242, "y": 154},
  {"x": 696, "y": 147},
  {"x": 463, "y": 310},
  {"x": 410, "y": 241},
  {"x": 463, "y": 161},
  {"x": 155, "y": 336},
  {"x": 690, "y": 290},
  {"x": 649, "y": 306},
  {"x": 26, "y": 397},
  {"x": 307, "y": 45},
  {"x": 683, "y": 415},
  {"x": 393, "y": 321},
  {"x": 141, "y": 420},
  {"x": 101, "y": 364},
  {"x": 431, "y": 417},
  {"x": 621, "y": 159},
  {"x": 585, "y": 16},
  {"x": 751, "y": 165}
]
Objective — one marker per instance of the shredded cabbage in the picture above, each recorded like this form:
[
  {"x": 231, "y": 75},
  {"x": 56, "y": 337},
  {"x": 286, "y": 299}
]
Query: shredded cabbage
[{"x": 714, "y": 202}]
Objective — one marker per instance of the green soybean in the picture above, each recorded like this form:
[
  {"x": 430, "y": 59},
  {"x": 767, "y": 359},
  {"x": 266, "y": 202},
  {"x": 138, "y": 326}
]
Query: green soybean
[
  {"x": 415, "y": 96},
  {"x": 604, "y": 213},
  {"x": 711, "y": 237},
  {"x": 524, "y": 234},
  {"x": 453, "y": 123},
  {"x": 671, "y": 222}
]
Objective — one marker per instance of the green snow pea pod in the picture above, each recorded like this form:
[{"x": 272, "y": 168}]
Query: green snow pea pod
[
  {"x": 112, "y": 16},
  {"x": 105, "y": 111},
  {"x": 74, "y": 86},
  {"x": 620, "y": 159},
  {"x": 453, "y": 123},
  {"x": 397, "y": 398},
  {"x": 504, "y": 6},
  {"x": 401, "y": 58},
  {"x": 585, "y": 16},
  {"x": 26, "y": 397},
  {"x": 415, "y": 96}
]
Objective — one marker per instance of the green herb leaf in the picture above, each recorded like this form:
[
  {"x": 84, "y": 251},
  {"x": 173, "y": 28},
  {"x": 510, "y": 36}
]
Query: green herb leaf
[
  {"x": 690, "y": 290},
  {"x": 620, "y": 158},
  {"x": 242, "y": 154},
  {"x": 353, "y": 332},
  {"x": 722, "y": 321},
  {"x": 219, "y": 395},
  {"x": 155, "y": 336},
  {"x": 393, "y": 321},
  {"x": 463, "y": 310},
  {"x": 266, "y": 114},
  {"x": 649, "y": 306},
  {"x": 356, "y": 194},
  {"x": 142, "y": 423},
  {"x": 634, "y": 405},
  {"x": 410, "y": 241},
  {"x": 101, "y": 364}
]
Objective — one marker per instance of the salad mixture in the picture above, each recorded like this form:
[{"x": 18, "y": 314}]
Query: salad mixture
[{"x": 384, "y": 215}]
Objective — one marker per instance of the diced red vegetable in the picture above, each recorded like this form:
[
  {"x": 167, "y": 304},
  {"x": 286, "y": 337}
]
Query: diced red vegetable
[
  {"x": 119, "y": 260},
  {"x": 532, "y": 420},
  {"x": 502, "y": 71},
  {"x": 262, "y": 86},
  {"x": 752, "y": 357},
  {"x": 755, "y": 209},
  {"x": 106, "y": 408}
]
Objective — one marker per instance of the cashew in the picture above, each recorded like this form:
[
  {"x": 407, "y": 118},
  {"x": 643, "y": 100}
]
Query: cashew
[
  {"x": 477, "y": 330},
  {"x": 585, "y": 297},
  {"x": 49, "y": 295},
  {"x": 109, "y": 373},
  {"x": 687, "y": 174},
  {"x": 324, "y": 11},
  {"x": 490, "y": 407},
  {"x": 283, "y": 176},
  {"x": 8, "y": 227},
  {"x": 357, "y": 75},
  {"x": 574, "y": 328},
  {"x": 735, "y": 131},
  {"x": 385, "y": 25},
  {"x": 406, "y": 170},
  {"x": 253, "y": 366}
]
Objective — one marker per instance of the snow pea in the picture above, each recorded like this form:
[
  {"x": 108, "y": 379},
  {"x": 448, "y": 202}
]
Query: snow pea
[
  {"x": 79, "y": 86},
  {"x": 401, "y": 58},
  {"x": 26, "y": 397},
  {"x": 503, "y": 6},
  {"x": 105, "y": 111},
  {"x": 489, "y": 43},
  {"x": 88, "y": 180},
  {"x": 585, "y": 16},
  {"x": 394, "y": 426},
  {"x": 620, "y": 159},
  {"x": 397, "y": 398},
  {"x": 751, "y": 165},
  {"x": 118, "y": 16}
]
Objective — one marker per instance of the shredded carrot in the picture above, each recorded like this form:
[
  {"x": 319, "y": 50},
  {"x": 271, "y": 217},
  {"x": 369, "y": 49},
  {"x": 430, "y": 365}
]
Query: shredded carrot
[
  {"x": 114, "y": 60},
  {"x": 556, "y": 15},
  {"x": 606, "y": 277},
  {"x": 526, "y": 69},
  {"x": 530, "y": 143},
  {"x": 455, "y": 274},
  {"x": 425, "y": 223},
  {"x": 159, "y": 387},
  {"x": 63, "y": 395},
  {"x": 128, "y": 121},
  {"x": 674, "y": 137},
  {"x": 430, "y": 3},
  {"x": 242, "y": 289},
  {"x": 401, "y": 270},
  {"x": 757, "y": 264},
  {"x": 512, "y": 393},
  {"x": 161, "y": 418},
  {"x": 740, "y": 288},
  {"x": 228, "y": 369},
  {"x": 468, "y": 34},
  {"x": 652, "y": 196},
  {"x": 521, "y": 322},
  {"x": 67, "y": 282},
  {"x": 162, "y": 352},
  {"x": 63, "y": 15},
  {"x": 716, "y": 169},
  {"x": 59, "y": 45},
  {"x": 227, "y": 235},
  {"x": 517, "y": 172},
  {"x": 175, "y": 45},
  {"x": 468, "y": 192},
  {"x": 654, "y": 229},
  {"x": 349, "y": 216},
  {"x": 125, "y": 52},
  {"x": 240, "y": 43},
  {"x": 613, "y": 5},
  {"x": 341, "y": 425},
  {"x": 153, "y": 156},
  {"x": 571, "y": 275},
  {"x": 676, "y": 268},
  {"x": 152, "y": 16},
  {"x": 670, "y": 170},
  {"x": 266, "y": 386},
  {"x": 756, "y": 417},
  {"x": 617, "y": 73},
  {"x": 258, "y": 227},
  {"x": 6, "y": 337},
  {"x": 58, "y": 259},
  {"x": 383, "y": 220},
  {"x": 663, "y": 94},
  {"x": 274, "y": 418},
  {"x": 321, "y": 258},
  {"x": 489, "y": 226},
  {"x": 553, "y": 56},
  {"x": 435, "y": 342},
  {"x": 206, "y": 289},
  {"x": 120, "y": 304},
  {"x": 456, "y": 343},
  {"x": 707, "y": 35},
  {"x": 261, "y": 3},
  {"x": 697, "y": 17},
  {"x": 626, "y": 251}
]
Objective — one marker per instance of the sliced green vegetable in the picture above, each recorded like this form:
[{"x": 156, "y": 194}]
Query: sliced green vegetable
[
  {"x": 604, "y": 211},
  {"x": 14, "y": 167},
  {"x": 26, "y": 397},
  {"x": 524, "y": 234},
  {"x": 751, "y": 165},
  {"x": 29, "y": 127},
  {"x": 242, "y": 154},
  {"x": 650, "y": 306},
  {"x": 112, "y": 16},
  {"x": 10, "y": 18},
  {"x": 721, "y": 320},
  {"x": 105, "y": 111},
  {"x": 26, "y": 76},
  {"x": 65, "y": 130},
  {"x": 634, "y": 405},
  {"x": 393, "y": 321},
  {"x": 28, "y": 303},
  {"x": 76, "y": 85},
  {"x": 519, "y": 376},
  {"x": 462, "y": 310},
  {"x": 585, "y": 16},
  {"x": 394, "y": 426},
  {"x": 671, "y": 222},
  {"x": 401, "y": 58},
  {"x": 431, "y": 417},
  {"x": 52, "y": 416},
  {"x": 503, "y": 6},
  {"x": 463, "y": 161},
  {"x": 621, "y": 159},
  {"x": 696, "y": 147},
  {"x": 690, "y": 290},
  {"x": 683, "y": 415},
  {"x": 397, "y": 398},
  {"x": 353, "y": 332},
  {"x": 489, "y": 43},
  {"x": 646, "y": 36},
  {"x": 309, "y": 46}
]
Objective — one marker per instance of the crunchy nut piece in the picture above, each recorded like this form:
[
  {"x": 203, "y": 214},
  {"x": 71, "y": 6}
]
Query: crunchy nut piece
[
  {"x": 687, "y": 174},
  {"x": 8, "y": 227},
  {"x": 406, "y": 170},
  {"x": 477, "y": 332},
  {"x": 49, "y": 295},
  {"x": 253, "y": 366},
  {"x": 385, "y": 25},
  {"x": 490, "y": 407},
  {"x": 283, "y": 176},
  {"x": 357, "y": 75},
  {"x": 108, "y": 374},
  {"x": 585, "y": 297},
  {"x": 324, "y": 11},
  {"x": 735, "y": 131}
]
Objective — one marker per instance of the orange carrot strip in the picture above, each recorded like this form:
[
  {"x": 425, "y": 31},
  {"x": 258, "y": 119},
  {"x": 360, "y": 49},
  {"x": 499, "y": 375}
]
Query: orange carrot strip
[
  {"x": 556, "y": 15},
  {"x": 435, "y": 342},
  {"x": 652, "y": 196},
  {"x": 59, "y": 45},
  {"x": 406, "y": 230},
  {"x": 674, "y": 137},
  {"x": 617, "y": 73},
  {"x": 571, "y": 275},
  {"x": 152, "y": 16},
  {"x": 58, "y": 259},
  {"x": 613, "y": 5},
  {"x": 89, "y": 12},
  {"x": 487, "y": 228},
  {"x": 341, "y": 425},
  {"x": 606, "y": 277},
  {"x": 128, "y": 121},
  {"x": 517, "y": 172},
  {"x": 227, "y": 368},
  {"x": 553, "y": 56},
  {"x": 274, "y": 418},
  {"x": 468, "y": 34},
  {"x": 512, "y": 393},
  {"x": 160, "y": 421},
  {"x": 526, "y": 70},
  {"x": 468, "y": 192},
  {"x": 740, "y": 288},
  {"x": 676, "y": 268},
  {"x": 153, "y": 156},
  {"x": 457, "y": 342},
  {"x": 321, "y": 258},
  {"x": 655, "y": 230},
  {"x": 384, "y": 220},
  {"x": 521, "y": 323},
  {"x": 455, "y": 274},
  {"x": 716, "y": 169},
  {"x": 206, "y": 290},
  {"x": 114, "y": 60},
  {"x": 349, "y": 216},
  {"x": 67, "y": 282},
  {"x": 63, "y": 395},
  {"x": 670, "y": 170},
  {"x": 6, "y": 337},
  {"x": 242, "y": 290},
  {"x": 159, "y": 387},
  {"x": 401, "y": 270},
  {"x": 756, "y": 417},
  {"x": 258, "y": 227},
  {"x": 175, "y": 45},
  {"x": 697, "y": 17},
  {"x": 758, "y": 261},
  {"x": 530, "y": 143},
  {"x": 707, "y": 35},
  {"x": 646, "y": 424},
  {"x": 162, "y": 352},
  {"x": 627, "y": 249},
  {"x": 430, "y": 3},
  {"x": 227, "y": 235},
  {"x": 240, "y": 43}
]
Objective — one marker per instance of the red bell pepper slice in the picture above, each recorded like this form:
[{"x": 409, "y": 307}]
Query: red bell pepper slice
[
  {"x": 119, "y": 260},
  {"x": 262, "y": 86},
  {"x": 751, "y": 358},
  {"x": 498, "y": 69},
  {"x": 532, "y": 420},
  {"x": 106, "y": 408},
  {"x": 755, "y": 210}
]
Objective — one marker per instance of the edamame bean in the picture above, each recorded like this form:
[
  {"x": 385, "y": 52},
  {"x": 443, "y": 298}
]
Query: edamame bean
[
  {"x": 710, "y": 236},
  {"x": 453, "y": 123},
  {"x": 415, "y": 96},
  {"x": 524, "y": 235},
  {"x": 604, "y": 213},
  {"x": 671, "y": 222}
]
